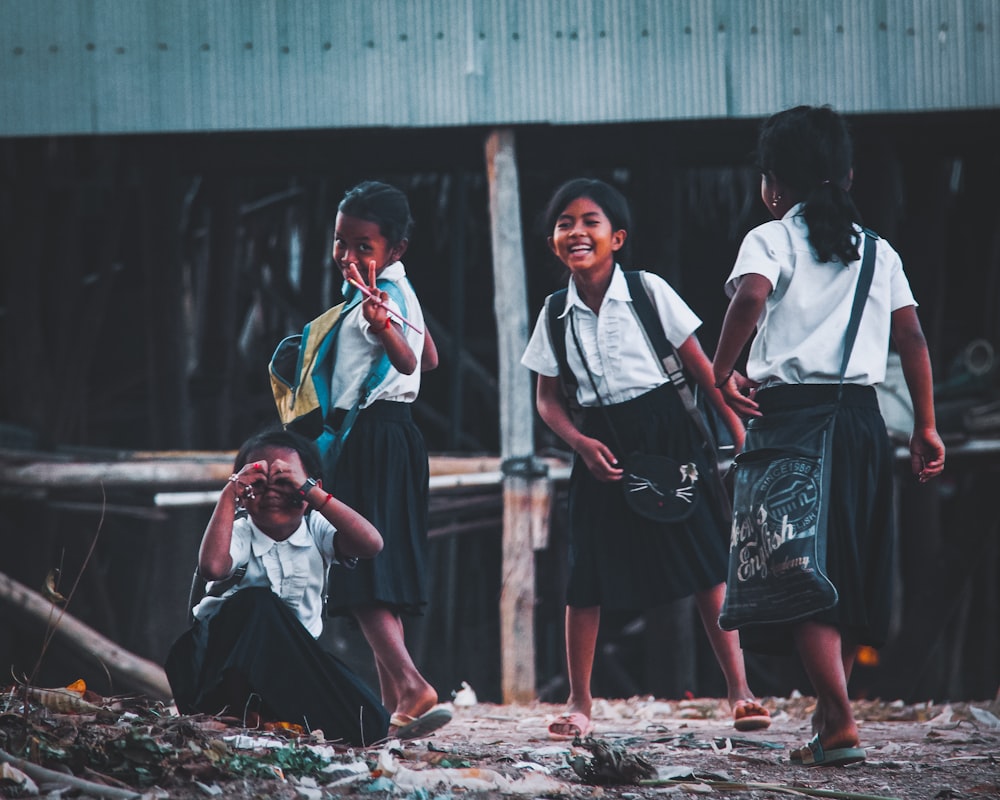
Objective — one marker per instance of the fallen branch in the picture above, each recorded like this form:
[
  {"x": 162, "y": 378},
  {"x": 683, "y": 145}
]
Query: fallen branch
[
  {"x": 140, "y": 674},
  {"x": 770, "y": 787},
  {"x": 38, "y": 773}
]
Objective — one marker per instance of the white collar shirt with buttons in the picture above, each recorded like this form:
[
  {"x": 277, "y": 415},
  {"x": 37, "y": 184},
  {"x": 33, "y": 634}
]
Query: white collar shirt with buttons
[
  {"x": 801, "y": 330},
  {"x": 613, "y": 341},
  {"x": 294, "y": 569}
]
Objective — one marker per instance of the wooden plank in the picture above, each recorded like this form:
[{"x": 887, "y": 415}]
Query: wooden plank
[{"x": 517, "y": 597}]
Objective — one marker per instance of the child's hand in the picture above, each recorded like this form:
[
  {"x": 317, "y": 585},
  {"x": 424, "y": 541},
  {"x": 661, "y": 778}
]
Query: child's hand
[
  {"x": 738, "y": 391},
  {"x": 250, "y": 481},
  {"x": 375, "y": 307},
  {"x": 926, "y": 454},
  {"x": 599, "y": 460},
  {"x": 286, "y": 476}
]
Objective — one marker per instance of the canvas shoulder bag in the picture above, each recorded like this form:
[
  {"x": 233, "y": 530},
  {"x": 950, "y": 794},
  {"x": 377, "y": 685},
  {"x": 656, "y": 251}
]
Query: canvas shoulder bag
[{"x": 781, "y": 491}]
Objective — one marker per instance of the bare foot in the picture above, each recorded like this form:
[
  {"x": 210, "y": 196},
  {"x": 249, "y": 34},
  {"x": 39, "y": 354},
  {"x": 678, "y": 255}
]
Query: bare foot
[{"x": 412, "y": 705}]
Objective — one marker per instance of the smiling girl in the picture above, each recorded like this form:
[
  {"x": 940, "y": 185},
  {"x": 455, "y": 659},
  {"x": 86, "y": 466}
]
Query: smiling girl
[
  {"x": 382, "y": 470},
  {"x": 619, "y": 560}
]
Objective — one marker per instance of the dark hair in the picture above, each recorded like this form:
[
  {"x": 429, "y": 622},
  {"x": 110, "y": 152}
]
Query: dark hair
[
  {"x": 278, "y": 437},
  {"x": 612, "y": 203},
  {"x": 809, "y": 149},
  {"x": 382, "y": 204}
]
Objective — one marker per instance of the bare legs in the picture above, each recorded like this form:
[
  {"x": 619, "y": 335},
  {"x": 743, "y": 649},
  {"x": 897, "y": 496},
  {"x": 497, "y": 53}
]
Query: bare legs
[
  {"x": 582, "y": 625},
  {"x": 725, "y": 644},
  {"x": 828, "y": 662},
  {"x": 404, "y": 689}
]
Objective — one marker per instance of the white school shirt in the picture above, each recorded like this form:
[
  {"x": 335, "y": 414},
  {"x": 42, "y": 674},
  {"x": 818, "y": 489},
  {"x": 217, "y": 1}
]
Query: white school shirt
[
  {"x": 294, "y": 569},
  {"x": 800, "y": 333},
  {"x": 620, "y": 358},
  {"x": 358, "y": 348}
]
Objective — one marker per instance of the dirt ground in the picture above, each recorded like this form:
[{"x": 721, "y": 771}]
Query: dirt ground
[{"x": 641, "y": 748}]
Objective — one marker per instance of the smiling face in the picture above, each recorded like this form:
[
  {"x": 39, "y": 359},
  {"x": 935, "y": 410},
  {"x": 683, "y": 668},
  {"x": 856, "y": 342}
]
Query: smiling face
[
  {"x": 359, "y": 241},
  {"x": 584, "y": 238},
  {"x": 276, "y": 507}
]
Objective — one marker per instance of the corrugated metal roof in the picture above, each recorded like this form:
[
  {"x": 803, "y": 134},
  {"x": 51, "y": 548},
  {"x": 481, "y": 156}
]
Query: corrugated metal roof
[{"x": 111, "y": 66}]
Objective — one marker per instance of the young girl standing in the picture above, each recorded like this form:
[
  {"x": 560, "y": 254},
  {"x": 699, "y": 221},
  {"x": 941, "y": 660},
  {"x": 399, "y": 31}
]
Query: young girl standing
[
  {"x": 618, "y": 559},
  {"x": 794, "y": 281},
  {"x": 382, "y": 470},
  {"x": 252, "y": 650}
]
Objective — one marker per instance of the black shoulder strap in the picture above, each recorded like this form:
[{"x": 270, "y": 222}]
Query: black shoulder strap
[
  {"x": 651, "y": 324},
  {"x": 860, "y": 296},
  {"x": 555, "y": 305}
]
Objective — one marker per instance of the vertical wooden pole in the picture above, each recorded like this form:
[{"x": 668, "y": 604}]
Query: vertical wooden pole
[{"x": 517, "y": 597}]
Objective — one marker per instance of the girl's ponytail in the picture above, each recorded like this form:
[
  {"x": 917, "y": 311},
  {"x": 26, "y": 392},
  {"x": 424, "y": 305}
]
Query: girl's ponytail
[
  {"x": 809, "y": 149},
  {"x": 830, "y": 214}
]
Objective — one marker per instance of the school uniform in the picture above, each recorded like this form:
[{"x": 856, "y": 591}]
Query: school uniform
[
  {"x": 619, "y": 560},
  {"x": 382, "y": 471},
  {"x": 796, "y": 357},
  {"x": 265, "y": 629}
]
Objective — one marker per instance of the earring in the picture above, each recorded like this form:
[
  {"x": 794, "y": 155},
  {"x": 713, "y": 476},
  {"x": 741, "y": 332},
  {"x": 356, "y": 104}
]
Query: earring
[{"x": 775, "y": 200}]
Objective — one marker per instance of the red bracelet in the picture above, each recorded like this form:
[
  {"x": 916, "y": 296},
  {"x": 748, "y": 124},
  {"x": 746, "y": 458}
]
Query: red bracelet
[
  {"x": 388, "y": 323},
  {"x": 329, "y": 497}
]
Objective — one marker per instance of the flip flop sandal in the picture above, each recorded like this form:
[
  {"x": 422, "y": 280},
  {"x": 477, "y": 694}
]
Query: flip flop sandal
[
  {"x": 749, "y": 715},
  {"x": 813, "y": 755},
  {"x": 574, "y": 720},
  {"x": 415, "y": 727}
]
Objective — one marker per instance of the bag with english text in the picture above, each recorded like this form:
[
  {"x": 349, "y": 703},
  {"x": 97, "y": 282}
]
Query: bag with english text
[{"x": 777, "y": 550}]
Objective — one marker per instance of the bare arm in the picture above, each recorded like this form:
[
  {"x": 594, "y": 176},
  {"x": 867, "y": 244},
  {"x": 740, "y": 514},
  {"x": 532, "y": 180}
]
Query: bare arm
[
  {"x": 356, "y": 536},
  {"x": 214, "y": 560},
  {"x": 429, "y": 358},
  {"x": 698, "y": 366},
  {"x": 737, "y": 328},
  {"x": 602, "y": 463},
  {"x": 926, "y": 447},
  {"x": 376, "y": 311}
]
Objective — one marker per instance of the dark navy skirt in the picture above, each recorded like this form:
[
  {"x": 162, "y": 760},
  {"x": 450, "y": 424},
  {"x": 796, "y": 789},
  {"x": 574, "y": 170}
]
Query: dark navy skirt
[
  {"x": 860, "y": 538},
  {"x": 257, "y": 637},
  {"x": 383, "y": 474},
  {"x": 621, "y": 561}
]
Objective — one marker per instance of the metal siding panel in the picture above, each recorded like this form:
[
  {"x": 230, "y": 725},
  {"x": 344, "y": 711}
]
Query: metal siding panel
[
  {"x": 45, "y": 69},
  {"x": 185, "y": 65}
]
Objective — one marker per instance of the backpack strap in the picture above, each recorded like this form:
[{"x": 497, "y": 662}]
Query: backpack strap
[
  {"x": 217, "y": 589},
  {"x": 652, "y": 326},
  {"x": 331, "y": 440},
  {"x": 555, "y": 304}
]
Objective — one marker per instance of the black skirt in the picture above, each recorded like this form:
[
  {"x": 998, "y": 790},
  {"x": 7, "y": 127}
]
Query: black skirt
[
  {"x": 383, "y": 474},
  {"x": 621, "y": 561},
  {"x": 860, "y": 539},
  {"x": 255, "y": 636}
]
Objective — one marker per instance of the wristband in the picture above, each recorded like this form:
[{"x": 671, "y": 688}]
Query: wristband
[
  {"x": 307, "y": 487},
  {"x": 725, "y": 380},
  {"x": 329, "y": 497}
]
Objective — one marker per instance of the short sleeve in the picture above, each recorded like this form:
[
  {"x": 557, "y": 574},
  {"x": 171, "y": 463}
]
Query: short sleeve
[
  {"x": 759, "y": 254},
  {"x": 678, "y": 319},
  {"x": 900, "y": 294},
  {"x": 538, "y": 355},
  {"x": 239, "y": 544}
]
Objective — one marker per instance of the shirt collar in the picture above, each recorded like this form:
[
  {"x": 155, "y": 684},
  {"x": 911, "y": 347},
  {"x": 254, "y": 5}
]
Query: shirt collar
[
  {"x": 261, "y": 543},
  {"x": 795, "y": 211},
  {"x": 617, "y": 290}
]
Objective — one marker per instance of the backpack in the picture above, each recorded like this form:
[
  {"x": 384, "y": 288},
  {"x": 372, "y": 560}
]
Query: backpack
[
  {"x": 301, "y": 372},
  {"x": 702, "y": 414}
]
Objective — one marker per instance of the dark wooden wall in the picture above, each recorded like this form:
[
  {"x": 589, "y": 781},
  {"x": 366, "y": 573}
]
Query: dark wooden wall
[{"x": 145, "y": 281}]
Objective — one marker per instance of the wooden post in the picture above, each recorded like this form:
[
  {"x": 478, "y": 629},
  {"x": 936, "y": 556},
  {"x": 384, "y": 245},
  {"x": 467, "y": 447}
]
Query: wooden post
[{"x": 517, "y": 597}]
